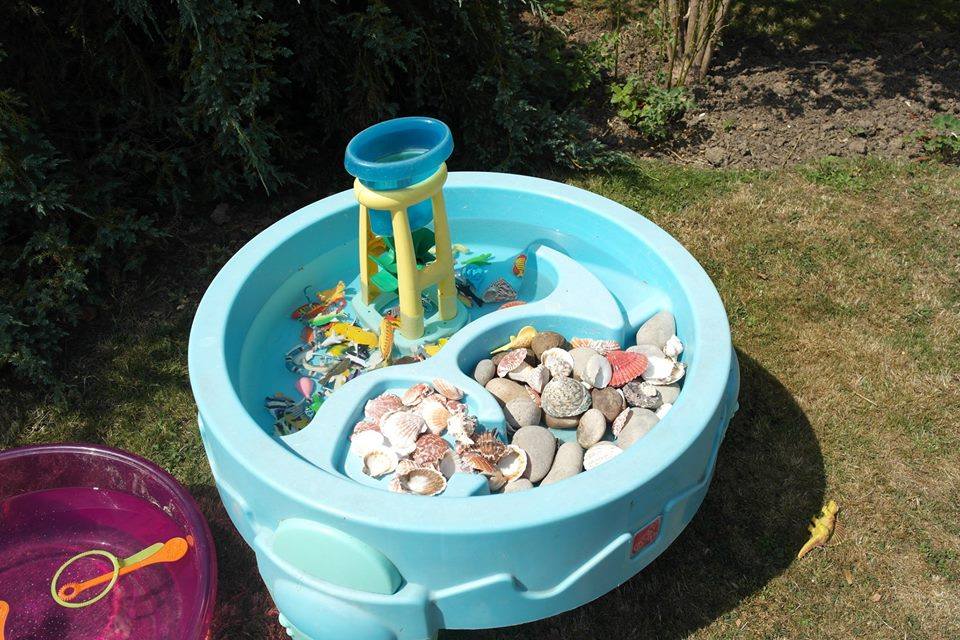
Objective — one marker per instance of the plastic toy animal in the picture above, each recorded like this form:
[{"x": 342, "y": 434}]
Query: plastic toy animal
[{"x": 821, "y": 529}]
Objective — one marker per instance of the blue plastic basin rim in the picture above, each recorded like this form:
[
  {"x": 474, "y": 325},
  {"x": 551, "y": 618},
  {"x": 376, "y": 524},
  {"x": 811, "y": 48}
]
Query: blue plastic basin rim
[{"x": 376, "y": 155}]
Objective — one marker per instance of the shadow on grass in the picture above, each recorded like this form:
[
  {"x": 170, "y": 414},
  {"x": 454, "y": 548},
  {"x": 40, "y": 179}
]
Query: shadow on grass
[{"x": 769, "y": 481}]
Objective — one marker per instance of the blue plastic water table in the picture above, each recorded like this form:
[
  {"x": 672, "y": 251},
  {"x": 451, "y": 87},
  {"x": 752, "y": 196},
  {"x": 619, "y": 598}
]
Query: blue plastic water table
[{"x": 344, "y": 558}]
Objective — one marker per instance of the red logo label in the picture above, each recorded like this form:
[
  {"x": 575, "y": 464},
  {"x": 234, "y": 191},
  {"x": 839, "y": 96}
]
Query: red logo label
[{"x": 645, "y": 536}]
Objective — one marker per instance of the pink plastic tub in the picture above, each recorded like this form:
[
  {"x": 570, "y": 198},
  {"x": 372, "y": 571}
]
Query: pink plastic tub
[{"x": 57, "y": 501}]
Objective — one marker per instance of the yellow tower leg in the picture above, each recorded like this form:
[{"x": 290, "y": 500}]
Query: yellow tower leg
[
  {"x": 367, "y": 266},
  {"x": 446, "y": 286},
  {"x": 411, "y": 309}
]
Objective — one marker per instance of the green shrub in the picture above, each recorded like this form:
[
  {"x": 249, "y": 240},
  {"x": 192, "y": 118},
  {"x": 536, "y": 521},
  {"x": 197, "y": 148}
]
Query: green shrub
[
  {"x": 116, "y": 118},
  {"x": 942, "y": 141},
  {"x": 653, "y": 110}
]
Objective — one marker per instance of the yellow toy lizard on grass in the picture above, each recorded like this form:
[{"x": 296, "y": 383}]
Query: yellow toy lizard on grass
[{"x": 821, "y": 529}]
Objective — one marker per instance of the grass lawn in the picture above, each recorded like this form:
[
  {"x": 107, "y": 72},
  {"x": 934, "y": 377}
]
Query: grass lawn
[{"x": 842, "y": 283}]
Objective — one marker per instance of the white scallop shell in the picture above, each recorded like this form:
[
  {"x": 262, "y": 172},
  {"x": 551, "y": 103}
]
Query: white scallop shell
[
  {"x": 662, "y": 371},
  {"x": 558, "y": 362},
  {"x": 401, "y": 430},
  {"x": 513, "y": 462},
  {"x": 603, "y": 347},
  {"x": 461, "y": 426},
  {"x": 366, "y": 441},
  {"x": 375, "y": 408},
  {"x": 447, "y": 389},
  {"x": 435, "y": 415},
  {"x": 600, "y": 453},
  {"x": 673, "y": 348},
  {"x": 379, "y": 462}
]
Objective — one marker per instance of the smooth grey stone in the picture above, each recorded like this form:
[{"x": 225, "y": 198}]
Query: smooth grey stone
[
  {"x": 657, "y": 330},
  {"x": 505, "y": 390},
  {"x": 608, "y": 401},
  {"x": 581, "y": 355},
  {"x": 541, "y": 447},
  {"x": 520, "y": 484},
  {"x": 669, "y": 392},
  {"x": 520, "y": 412},
  {"x": 567, "y": 463},
  {"x": 485, "y": 371},
  {"x": 547, "y": 340},
  {"x": 639, "y": 425},
  {"x": 561, "y": 423},
  {"x": 593, "y": 424}
]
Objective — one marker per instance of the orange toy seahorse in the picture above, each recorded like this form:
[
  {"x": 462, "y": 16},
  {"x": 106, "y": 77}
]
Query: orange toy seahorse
[{"x": 388, "y": 325}]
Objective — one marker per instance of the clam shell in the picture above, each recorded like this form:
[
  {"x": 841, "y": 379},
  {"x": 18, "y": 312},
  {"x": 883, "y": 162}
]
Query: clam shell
[
  {"x": 377, "y": 407},
  {"x": 512, "y": 463},
  {"x": 673, "y": 348},
  {"x": 600, "y": 453},
  {"x": 598, "y": 372},
  {"x": 511, "y": 361},
  {"x": 603, "y": 347},
  {"x": 436, "y": 415},
  {"x": 564, "y": 398},
  {"x": 662, "y": 371},
  {"x": 430, "y": 450},
  {"x": 626, "y": 366},
  {"x": 423, "y": 481},
  {"x": 415, "y": 394},
  {"x": 379, "y": 462},
  {"x": 366, "y": 441},
  {"x": 401, "y": 429},
  {"x": 558, "y": 362},
  {"x": 447, "y": 389}
]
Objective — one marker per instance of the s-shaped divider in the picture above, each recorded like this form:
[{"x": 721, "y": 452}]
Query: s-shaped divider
[{"x": 577, "y": 304}]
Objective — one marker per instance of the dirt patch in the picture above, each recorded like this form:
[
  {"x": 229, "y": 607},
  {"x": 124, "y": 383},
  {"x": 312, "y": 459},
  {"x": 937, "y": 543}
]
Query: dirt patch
[{"x": 773, "y": 98}]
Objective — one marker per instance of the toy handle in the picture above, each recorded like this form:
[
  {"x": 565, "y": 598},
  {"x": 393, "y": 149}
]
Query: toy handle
[{"x": 173, "y": 550}]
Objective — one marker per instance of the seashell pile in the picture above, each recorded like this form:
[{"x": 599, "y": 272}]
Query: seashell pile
[
  {"x": 403, "y": 434},
  {"x": 612, "y": 394}
]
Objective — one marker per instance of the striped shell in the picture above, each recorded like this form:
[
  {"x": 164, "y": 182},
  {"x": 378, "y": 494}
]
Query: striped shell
[
  {"x": 377, "y": 407},
  {"x": 499, "y": 291},
  {"x": 626, "y": 366},
  {"x": 564, "y": 398},
  {"x": 511, "y": 361},
  {"x": 363, "y": 425},
  {"x": 603, "y": 347},
  {"x": 424, "y": 481},
  {"x": 621, "y": 421},
  {"x": 472, "y": 460},
  {"x": 415, "y": 394},
  {"x": 490, "y": 446},
  {"x": 600, "y": 453},
  {"x": 512, "y": 303},
  {"x": 379, "y": 462},
  {"x": 435, "y": 414},
  {"x": 558, "y": 362},
  {"x": 513, "y": 463},
  {"x": 461, "y": 426},
  {"x": 401, "y": 429},
  {"x": 447, "y": 389},
  {"x": 430, "y": 450}
]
